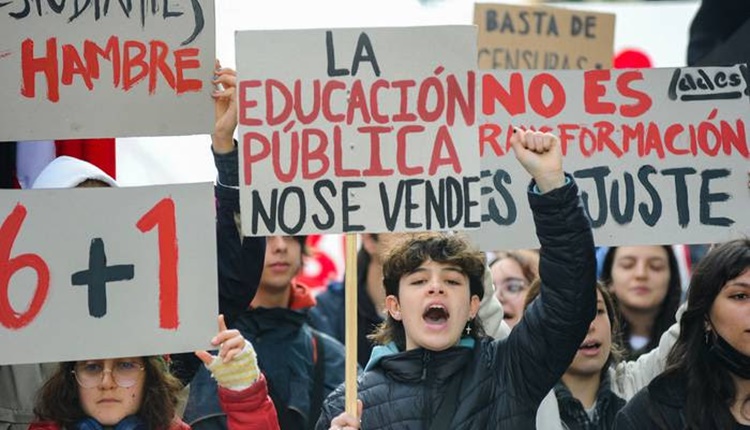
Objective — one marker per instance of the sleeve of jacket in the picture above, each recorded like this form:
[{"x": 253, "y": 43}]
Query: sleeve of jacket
[
  {"x": 333, "y": 406},
  {"x": 239, "y": 259},
  {"x": 543, "y": 344},
  {"x": 635, "y": 415},
  {"x": 629, "y": 377},
  {"x": 250, "y": 408}
]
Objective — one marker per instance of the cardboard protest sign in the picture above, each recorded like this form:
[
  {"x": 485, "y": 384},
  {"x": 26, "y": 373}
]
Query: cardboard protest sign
[
  {"x": 93, "y": 68},
  {"x": 660, "y": 155},
  {"x": 543, "y": 37},
  {"x": 97, "y": 273},
  {"x": 353, "y": 130}
]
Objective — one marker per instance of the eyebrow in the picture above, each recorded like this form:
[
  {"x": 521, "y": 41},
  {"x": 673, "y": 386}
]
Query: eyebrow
[
  {"x": 442, "y": 269},
  {"x": 635, "y": 257}
]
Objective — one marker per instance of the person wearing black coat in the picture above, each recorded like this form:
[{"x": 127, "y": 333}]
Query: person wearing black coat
[
  {"x": 706, "y": 385},
  {"x": 719, "y": 34},
  {"x": 434, "y": 368}
]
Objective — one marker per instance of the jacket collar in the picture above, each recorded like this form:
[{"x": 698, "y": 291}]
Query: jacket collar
[
  {"x": 414, "y": 365},
  {"x": 300, "y": 297}
]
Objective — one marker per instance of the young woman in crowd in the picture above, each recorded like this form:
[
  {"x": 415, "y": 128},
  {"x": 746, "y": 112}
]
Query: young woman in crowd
[
  {"x": 584, "y": 394},
  {"x": 512, "y": 274},
  {"x": 139, "y": 393},
  {"x": 645, "y": 281},
  {"x": 598, "y": 383},
  {"x": 434, "y": 368},
  {"x": 707, "y": 382}
]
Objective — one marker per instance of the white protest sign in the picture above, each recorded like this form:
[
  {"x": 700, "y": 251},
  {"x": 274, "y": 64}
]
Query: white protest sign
[
  {"x": 106, "y": 272},
  {"x": 660, "y": 155},
  {"x": 353, "y": 130},
  {"x": 85, "y": 69}
]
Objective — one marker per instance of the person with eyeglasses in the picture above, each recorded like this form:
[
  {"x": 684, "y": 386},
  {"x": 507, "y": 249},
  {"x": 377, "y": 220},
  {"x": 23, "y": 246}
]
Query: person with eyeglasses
[
  {"x": 512, "y": 273},
  {"x": 140, "y": 393}
]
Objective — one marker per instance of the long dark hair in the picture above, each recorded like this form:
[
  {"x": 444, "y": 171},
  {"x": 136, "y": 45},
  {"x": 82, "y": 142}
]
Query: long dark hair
[
  {"x": 666, "y": 316},
  {"x": 408, "y": 254},
  {"x": 58, "y": 399},
  {"x": 710, "y": 388}
]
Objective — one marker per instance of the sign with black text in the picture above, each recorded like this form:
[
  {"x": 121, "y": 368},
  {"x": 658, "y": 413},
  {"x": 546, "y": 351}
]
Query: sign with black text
[
  {"x": 91, "y": 273},
  {"x": 661, "y": 156},
  {"x": 367, "y": 130},
  {"x": 543, "y": 37}
]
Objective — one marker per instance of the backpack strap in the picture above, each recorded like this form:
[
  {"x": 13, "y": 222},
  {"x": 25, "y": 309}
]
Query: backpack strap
[{"x": 316, "y": 402}]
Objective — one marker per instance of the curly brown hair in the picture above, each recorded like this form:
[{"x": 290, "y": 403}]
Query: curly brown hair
[
  {"x": 407, "y": 254},
  {"x": 58, "y": 399}
]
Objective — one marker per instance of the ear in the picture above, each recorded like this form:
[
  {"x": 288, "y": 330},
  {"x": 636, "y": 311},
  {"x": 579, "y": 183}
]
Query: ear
[
  {"x": 474, "y": 306},
  {"x": 393, "y": 307}
]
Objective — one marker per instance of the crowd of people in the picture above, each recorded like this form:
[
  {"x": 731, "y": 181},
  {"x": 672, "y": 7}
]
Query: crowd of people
[{"x": 446, "y": 339}]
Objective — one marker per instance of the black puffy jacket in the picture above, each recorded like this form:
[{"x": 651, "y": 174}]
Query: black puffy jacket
[{"x": 502, "y": 382}]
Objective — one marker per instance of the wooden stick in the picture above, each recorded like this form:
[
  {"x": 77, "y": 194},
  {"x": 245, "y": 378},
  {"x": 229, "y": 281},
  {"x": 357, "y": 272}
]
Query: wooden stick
[{"x": 351, "y": 323}]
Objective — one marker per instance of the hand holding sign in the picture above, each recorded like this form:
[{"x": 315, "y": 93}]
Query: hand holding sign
[
  {"x": 225, "y": 109},
  {"x": 540, "y": 154}
]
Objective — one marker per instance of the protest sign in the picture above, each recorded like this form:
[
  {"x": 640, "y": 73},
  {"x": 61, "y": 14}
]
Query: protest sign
[
  {"x": 106, "y": 272},
  {"x": 96, "y": 68},
  {"x": 660, "y": 155},
  {"x": 354, "y": 130},
  {"x": 543, "y": 37}
]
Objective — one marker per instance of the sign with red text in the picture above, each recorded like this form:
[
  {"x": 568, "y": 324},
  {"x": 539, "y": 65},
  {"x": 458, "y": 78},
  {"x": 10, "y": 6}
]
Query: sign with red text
[
  {"x": 543, "y": 37},
  {"x": 106, "y": 272},
  {"x": 94, "y": 68},
  {"x": 354, "y": 130},
  {"x": 660, "y": 155}
]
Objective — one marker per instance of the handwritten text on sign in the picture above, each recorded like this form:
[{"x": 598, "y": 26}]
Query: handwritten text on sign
[
  {"x": 371, "y": 130},
  {"x": 543, "y": 37},
  {"x": 72, "y": 69},
  {"x": 130, "y": 269},
  {"x": 660, "y": 155}
]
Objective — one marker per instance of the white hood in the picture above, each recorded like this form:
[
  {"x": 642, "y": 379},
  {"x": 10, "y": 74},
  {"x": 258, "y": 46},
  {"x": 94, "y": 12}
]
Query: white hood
[{"x": 69, "y": 172}]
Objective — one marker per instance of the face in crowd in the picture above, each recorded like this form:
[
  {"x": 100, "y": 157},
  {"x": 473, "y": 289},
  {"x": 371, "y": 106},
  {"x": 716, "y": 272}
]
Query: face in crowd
[
  {"x": 729, "y": 314},
  {"x": 595, "y": 349},
  {"x": 511, "y": 287},
  {"x": 434, "y": 304},
  {"x": 283, "y": 261},
  {"x": 640, "y": 277},
  {"x": 111, "y": 389}
]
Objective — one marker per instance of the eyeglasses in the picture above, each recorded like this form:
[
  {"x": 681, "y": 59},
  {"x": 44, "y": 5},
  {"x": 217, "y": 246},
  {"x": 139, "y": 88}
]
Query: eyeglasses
[
  {"x": 124, "y": 373},
  {"x": 512, "y": 286}
]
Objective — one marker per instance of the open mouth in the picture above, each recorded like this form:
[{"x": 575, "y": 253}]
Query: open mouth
[
  {"x": 436, "y": 314},
  {"x": 590, "y": 346}
]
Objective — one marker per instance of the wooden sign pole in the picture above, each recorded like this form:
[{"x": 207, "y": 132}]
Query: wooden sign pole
[{"x": 351, "y": 323}]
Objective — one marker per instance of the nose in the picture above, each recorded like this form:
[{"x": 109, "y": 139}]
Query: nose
[
  {"x": 499, "y": 292},
  {"x": 276, "y": 243},
  {"x": 108, "y": 380},
  {"x": 591, "y": 327},
  {"x": 436, "y": 287},
  {"x": 641, "y": 269}
]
